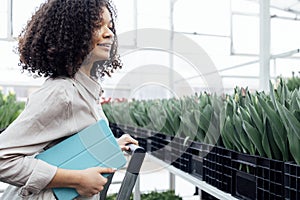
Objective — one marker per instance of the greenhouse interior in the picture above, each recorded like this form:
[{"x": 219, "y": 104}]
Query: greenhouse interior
[{"x": 209, "y": 89}]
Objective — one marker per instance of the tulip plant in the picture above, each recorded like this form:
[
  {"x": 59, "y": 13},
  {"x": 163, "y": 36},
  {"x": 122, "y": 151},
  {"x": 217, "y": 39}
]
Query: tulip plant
[
  {"x": 10, "y": 109},
  {"x": 255, "y": 123}
]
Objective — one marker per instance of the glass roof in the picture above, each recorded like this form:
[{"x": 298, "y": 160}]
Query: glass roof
[
  {"x": 228, "y": 33},
  {"x": 287, "y": 5}
]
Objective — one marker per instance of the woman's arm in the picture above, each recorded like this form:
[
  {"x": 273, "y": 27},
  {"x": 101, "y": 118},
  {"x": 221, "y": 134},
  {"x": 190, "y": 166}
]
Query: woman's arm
[
  {"x": 87, "y": 182},
  {"x": 47, "y": 117}
]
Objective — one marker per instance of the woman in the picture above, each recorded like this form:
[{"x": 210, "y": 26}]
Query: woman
[{"x": 73, "y": 44}]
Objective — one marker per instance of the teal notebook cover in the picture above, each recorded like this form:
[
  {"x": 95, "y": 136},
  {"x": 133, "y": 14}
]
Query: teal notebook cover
[{"x": 91, "y": 147}]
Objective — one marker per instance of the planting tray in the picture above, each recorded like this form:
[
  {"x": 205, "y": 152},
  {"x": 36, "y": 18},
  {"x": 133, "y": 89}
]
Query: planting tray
[
  {"x": 244, "y": 182},
  {"x": 291, "y": 180},
  {"x": 242, "y": 175},
  {"x": 270, "y": 179},
  {"x": 196, "y": 163},
  {"x": 157, "y": 143},
  {"x": 180, "y": 157},
  {"x": 217, "y": 169}
]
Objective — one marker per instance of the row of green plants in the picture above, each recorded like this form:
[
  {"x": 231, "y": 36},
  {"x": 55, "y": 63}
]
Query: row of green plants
[
  {"x": 154, "y": 195},
  {"x": 293, "y": 82},
  {"x": 10, "y": 109},
  {"x": 263, "y": 124},
  {"x": 254, "y": 123},
  {"x": 188, "y": 116}
]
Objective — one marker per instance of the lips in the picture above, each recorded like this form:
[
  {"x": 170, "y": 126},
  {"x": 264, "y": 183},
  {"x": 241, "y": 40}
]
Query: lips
[{"x": 108, "y": 45}]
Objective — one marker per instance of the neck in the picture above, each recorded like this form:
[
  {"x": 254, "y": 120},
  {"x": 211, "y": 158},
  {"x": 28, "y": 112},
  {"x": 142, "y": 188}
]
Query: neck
[
  {"x": 86, "y": 67},
  {"x": 86, "y": 70}
]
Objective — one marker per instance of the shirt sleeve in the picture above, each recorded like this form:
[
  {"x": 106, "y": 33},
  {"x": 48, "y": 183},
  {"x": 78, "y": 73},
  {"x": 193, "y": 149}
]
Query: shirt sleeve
[{"x": 38, "y": 125}]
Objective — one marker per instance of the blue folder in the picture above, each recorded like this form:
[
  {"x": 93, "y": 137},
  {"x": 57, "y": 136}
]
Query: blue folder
[{"x": 91, "y": 147}]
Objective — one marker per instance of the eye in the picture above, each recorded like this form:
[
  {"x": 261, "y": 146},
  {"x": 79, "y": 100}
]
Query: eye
[
  {"x": 98, "y": 25},
  {"x": 111, "y": 26}
]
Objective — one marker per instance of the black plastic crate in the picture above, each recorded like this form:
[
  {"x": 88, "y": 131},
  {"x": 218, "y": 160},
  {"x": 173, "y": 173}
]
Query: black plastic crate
[
  {"x": 217, "y": 167},
  {"x": 207, "y": 196},
  {"x": 292, "y": 180},
  {"x": 120, "y": 129},
  {"x": 141, "y": 135},
  {"x": 196, "y": 152},
  {"x": 223, "y": 157},
  {"x": 142, "y": 141},
  {"x": 212, "y": 168},
  {"x": 244, "y": 181},
  {"x": 180, "y": 144},
  {"x": 208, "y": 168},
  {"x": 129, "y": 129},
  {"x": 141, "y": 132},
  {"x": 116, "y": 130},
  {"x": 270, "y": 179},
  {"x": 180, "y": 157},
  {"x": 167, "y": 149},
  {"x": 158, "y": 142},
  {"x": 185, "y": 162}
]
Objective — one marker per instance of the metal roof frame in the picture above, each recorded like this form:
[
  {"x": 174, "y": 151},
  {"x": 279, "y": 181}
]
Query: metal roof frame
[{"x": 291, "y": 6}]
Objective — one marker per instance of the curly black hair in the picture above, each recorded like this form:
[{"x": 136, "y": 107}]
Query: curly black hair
[{"x": 58, "y": 38}]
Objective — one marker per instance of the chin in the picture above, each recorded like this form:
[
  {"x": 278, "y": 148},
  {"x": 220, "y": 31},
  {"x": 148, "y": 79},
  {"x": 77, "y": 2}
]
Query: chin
[
  {"x": 100, "y": 54},
  {"x": 102, "y": 57}
]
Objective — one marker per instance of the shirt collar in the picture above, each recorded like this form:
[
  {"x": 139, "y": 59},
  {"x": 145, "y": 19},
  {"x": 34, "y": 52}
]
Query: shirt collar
[{"x": 92, "y": 86}]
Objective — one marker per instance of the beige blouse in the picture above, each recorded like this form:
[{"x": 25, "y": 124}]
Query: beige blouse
[{"x": 60, "y": 108}]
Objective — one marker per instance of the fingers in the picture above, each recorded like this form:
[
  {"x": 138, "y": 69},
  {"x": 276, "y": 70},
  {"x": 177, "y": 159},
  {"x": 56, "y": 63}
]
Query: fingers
[
  {"x": 92, "y": 180},
  {"x": 102, "y": 170},
  {"x": 124, "y": 148},
  {"x": 129, "y": 140},
  {"x": 126, "y": 139},
  {"x": 133, "y": 141},
  {"x": 96, "y": 191}
]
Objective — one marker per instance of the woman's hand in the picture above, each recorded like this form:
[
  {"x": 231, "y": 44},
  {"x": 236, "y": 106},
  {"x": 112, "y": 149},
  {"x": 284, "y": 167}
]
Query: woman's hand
[
  {"x": 126, "y": 139},
  {"x": 87, "y": 182},
  {"x": 91, "y": 181}
]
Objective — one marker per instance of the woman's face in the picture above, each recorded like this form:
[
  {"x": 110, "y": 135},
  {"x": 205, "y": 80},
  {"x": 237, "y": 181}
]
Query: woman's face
[{"x": 103, "y": 37}]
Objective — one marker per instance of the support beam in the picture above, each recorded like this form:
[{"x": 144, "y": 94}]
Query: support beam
[
  {"x": 264, "y": 50},
  {"x": 9, "y": 19},
  {"x": 172, "y": 181},
  {"x": 135, "y": 20},
  {"x": 137, "y": 190},
  {"x": 171, "y": 56}
]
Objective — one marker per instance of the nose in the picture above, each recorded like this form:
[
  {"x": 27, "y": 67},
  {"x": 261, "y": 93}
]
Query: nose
[{"x": 108, "y": 33}]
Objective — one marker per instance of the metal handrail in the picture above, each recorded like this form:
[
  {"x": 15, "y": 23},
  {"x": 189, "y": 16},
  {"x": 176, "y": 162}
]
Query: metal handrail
[{"x": 137, "y": 157}]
